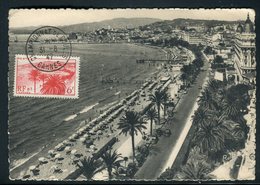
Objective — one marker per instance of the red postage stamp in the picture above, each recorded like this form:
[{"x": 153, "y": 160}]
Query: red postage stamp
[{"x": 31, "y": 82}]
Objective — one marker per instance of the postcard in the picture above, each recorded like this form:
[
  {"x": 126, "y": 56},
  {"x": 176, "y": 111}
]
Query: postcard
[{"x": 132, "y": 94}]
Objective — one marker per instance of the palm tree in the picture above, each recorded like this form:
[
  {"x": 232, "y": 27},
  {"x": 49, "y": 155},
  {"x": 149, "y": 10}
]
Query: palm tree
[
  {"x": 42, "y": 77},
  {"x": 90, "y": 167},
  {"x": 201, "y": 117},
  {"x": 230, "y": 107},
  {"x": 54, "y": 85},
  {"x": 131, "y": 123},
  {"x": 151, "y": 115},
  {"x": 158, "y": 98},
  {"x": 184, "y": 78},
  {"x": 210, "y": 138},
  {"x": 111, "y": 160},
  {"x": 125, "y": 159},
  {"x": 214, "y": 85},
  {"x": 207, "y": 100},
  {"x": 194, "y": 170},
  {"x": 34, "y": 76},
  {"x": 165, "y": 103}
]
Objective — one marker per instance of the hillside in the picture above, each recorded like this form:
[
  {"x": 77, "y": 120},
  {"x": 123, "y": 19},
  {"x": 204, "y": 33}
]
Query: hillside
[
  {"x": 170, "y": 24},
  {"x": 86, "y": 27}
]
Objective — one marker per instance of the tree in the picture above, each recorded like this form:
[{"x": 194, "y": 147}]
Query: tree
[
  {"x": 90, "y": 167},
  {"x": 42, "y": 76},
  {"x": 165, "y": 103},
  {"x": 201, "y": 117},
  {"x": 131, "y": 123},
  {"x": 210, "y": 138},
  {"x": 157, "y": 98},
  {"x": 184, "y": 78},
  {"x": 54, "y": 85},
  {"x": 34, "y": 76},
  {"x": 151, "y": 115},
  {"x": 218, "y": 60},
  {"x": 194, "y": 170},
  {"x": 207, "y": 100},
  {"x": 112, "y": 161}
]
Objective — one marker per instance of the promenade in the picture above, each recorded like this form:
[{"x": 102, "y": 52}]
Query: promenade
[{"x": 154, "y": 165}]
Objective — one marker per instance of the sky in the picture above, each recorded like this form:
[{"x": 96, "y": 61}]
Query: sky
[{"x": 41, "y": 17}]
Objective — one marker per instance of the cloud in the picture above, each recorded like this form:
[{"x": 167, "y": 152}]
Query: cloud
[{"x": 51, "y": 17}]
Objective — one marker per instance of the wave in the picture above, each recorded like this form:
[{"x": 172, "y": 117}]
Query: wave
[
  {"x": 117, "y": 93},
  {"x": 87, "y": 108},
  {"x": 71, "y": 117},
  {"x": 19, "y": 162}
]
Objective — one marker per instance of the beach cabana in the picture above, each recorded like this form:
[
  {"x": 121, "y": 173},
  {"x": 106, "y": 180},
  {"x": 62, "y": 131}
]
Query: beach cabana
[
  {"x": 58, "y": 157},
  {"x": 42, "y": 160},
  {"x": 60, "y": 147},
  {"x": 55, "y": 169},
  {"x": 73, "y": 152},
  {"x": 71, "y": 138},
  {"x": 67, "y": 149},
  {"x": 51, "y": 153},
  {"x": 32, "y": 168},
  {"x": 76, "y": 153}
]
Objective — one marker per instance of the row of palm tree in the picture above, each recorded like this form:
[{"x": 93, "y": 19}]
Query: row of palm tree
[
  {"x": 109, "y": 160},
  {"x": 190, "y": 71},
  {"x": 219, "y": 124},
  {"x": 219, "y": 128},
  {"x": 131, "y": 123}
]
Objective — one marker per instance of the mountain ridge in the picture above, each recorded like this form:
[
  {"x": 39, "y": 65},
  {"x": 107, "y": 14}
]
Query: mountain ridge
[{"x": 86, "y": 27}]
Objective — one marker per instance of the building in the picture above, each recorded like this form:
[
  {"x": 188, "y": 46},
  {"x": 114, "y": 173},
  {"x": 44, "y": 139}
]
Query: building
[
  {"x": 244, "y": 47},
  {"x": 195, "y": 39}
]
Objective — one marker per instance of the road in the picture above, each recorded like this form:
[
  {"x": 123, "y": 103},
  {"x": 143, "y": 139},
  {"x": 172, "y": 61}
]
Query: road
[{"x": 153, "y": 166}]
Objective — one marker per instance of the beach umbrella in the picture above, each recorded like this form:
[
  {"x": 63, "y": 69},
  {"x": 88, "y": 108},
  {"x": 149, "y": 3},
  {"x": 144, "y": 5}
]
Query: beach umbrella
[
  {"x": 82, "y": 139},
  {"x": 51, "y": 152},
  {"x": 65, "y": 142},
  {"x": 99, "y": 132},
  {"x": 89, "y": 142},
  {"x": 92, "y": 147},
  {"x": 67, "y": 148},
  {"x": 57, "y": 156}
]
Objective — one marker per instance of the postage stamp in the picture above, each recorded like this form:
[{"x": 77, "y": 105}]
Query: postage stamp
[{"x": 31, "y": 82}]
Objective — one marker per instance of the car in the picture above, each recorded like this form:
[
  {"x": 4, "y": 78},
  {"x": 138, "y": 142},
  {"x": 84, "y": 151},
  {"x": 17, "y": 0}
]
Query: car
[
  {"x": 184, "y": 92},
  {"x": 200, "y": 87}
]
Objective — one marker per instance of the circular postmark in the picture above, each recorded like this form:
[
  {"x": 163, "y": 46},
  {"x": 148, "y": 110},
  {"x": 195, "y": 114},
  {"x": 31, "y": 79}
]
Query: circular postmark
[{"x": 48, "y": 48}]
